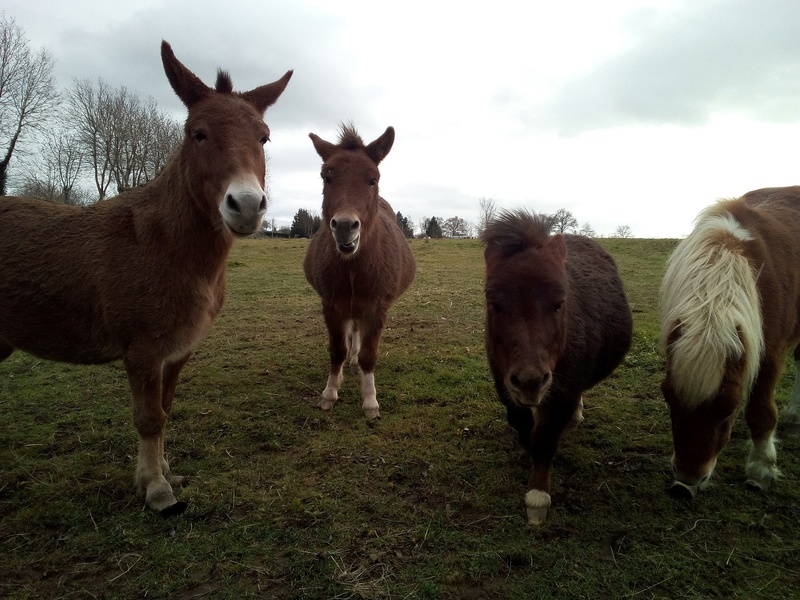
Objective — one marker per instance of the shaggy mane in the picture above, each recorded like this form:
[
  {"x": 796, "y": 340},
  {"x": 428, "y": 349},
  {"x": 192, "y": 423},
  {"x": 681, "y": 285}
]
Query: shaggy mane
[
  {"x": 516, "y": 231},
  {"x": 224, "y": 84},
  {"x": 349, "y": 139}
]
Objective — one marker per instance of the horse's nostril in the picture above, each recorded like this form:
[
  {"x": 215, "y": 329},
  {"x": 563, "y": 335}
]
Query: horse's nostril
[
  {"x": 262, "y": 206},
  {"x": 333, "y": 224},
  {"x": 514, "y": 380},
  {"x": 232, "y": 203},
  {"x": 355, "y": 225}
]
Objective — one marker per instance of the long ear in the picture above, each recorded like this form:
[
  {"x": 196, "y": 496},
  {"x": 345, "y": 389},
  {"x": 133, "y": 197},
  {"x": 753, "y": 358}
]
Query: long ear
[
  {"x": 265, "y": 96},
  {"x": 323, "y": 148},
  {"x": 185, "y": 83},
  {"x": 378, "y": 149},
  {"x": 558, "y": 247}
]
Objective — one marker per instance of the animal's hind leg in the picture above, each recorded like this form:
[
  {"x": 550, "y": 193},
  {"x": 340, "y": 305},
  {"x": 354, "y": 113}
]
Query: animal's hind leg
[
  {"x": 761, "y": 415},
  {"x": 149, "y": 418},
  {"x": 355, "y": 343},
  {"x": 791, "y": 417},
  {"x": 577, "y": 417},
  {"x": 169, "y": 382}
]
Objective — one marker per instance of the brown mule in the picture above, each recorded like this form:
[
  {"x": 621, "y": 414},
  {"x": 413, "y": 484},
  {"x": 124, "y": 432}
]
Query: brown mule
[
  {"x": 141, "y": 276},
  {"x": 359, "y": 262}
]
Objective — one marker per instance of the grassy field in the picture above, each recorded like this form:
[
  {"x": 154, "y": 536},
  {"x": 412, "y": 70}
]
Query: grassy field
[{"x": 289, "y": 502}]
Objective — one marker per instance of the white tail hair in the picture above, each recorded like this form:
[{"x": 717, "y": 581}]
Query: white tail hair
[{"x": 709, "y": 293}]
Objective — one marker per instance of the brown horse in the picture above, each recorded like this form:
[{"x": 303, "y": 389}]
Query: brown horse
[
  {"x": 557, "y": 323},
  {"x": 359, "y": 262},
  {"x": 141, "y": 276},
  {"x": 730, "y": 311}
]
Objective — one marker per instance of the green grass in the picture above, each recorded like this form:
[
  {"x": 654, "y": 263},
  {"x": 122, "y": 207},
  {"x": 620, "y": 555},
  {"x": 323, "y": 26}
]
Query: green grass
[{"x": 289, "y": 502}]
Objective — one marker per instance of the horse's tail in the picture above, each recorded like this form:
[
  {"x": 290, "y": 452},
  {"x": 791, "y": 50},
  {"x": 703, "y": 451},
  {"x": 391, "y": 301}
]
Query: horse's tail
[{"x": 710, "y": 308}]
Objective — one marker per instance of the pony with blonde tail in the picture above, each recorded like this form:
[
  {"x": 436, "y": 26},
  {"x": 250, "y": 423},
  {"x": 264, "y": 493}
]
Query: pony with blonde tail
[{"x": 729, "y": 313}]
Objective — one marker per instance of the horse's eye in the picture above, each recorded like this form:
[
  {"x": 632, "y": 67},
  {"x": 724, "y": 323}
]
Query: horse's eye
[
  {"x": 264, "y": 139},
  {"x": 198, "y": 136},
  {"x": 494, "y": 307},
  {"x": 558, "y": 306},
  {"x": 327, "y": 178},
  {"x": 373, "y": 182}
]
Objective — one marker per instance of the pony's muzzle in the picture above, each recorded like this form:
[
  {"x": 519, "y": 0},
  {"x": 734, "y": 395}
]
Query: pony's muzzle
[
  {"x": 682, "y": 491},
  {"x": 528, "y": 386}
]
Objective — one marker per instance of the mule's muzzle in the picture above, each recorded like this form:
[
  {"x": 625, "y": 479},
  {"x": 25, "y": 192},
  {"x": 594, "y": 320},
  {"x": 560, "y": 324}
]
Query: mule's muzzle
[
  {"x": 243, "y": 209},
  {"x": 346, "y": 233}
]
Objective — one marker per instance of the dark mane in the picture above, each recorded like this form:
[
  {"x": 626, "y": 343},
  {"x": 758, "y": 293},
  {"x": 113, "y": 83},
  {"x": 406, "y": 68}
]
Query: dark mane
[
  {"x": 349, "y": 139},
  {"x": 224, "y": 84},
  {"x": 516, "y": 231}
]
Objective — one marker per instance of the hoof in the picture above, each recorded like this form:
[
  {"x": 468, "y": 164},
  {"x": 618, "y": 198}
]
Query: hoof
[
  {"x": 758, "y": 486},
  {"x": 372, "y": 413},
  {"x": 326, "y": 404},
  {"x": 681, "y": 491},
  {"x": 173, "y": 511},
  {"x": 537, "y": 503}
]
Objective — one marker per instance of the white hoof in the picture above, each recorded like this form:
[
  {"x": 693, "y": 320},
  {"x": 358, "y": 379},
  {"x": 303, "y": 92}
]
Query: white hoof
[{"x": 537, "y": 502}]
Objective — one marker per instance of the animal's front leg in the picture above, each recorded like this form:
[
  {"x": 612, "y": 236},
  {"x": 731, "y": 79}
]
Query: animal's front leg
[
  {"x": 168, "y": 385},
  {"x": 149, "y": 418},
  {"x": 761, "y": 415},
  {"x": 338, "y": 332},
  {"x": 550, "y": 421},
  {"x": 367, "y": 357}
]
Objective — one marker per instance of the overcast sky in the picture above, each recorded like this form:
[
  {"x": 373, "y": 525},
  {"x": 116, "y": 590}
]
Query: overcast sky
[{"x": 625, "y": 112}]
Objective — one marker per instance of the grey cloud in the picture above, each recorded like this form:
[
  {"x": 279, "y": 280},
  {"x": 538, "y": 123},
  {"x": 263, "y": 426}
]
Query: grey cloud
[{"x": 736, "y": 56}]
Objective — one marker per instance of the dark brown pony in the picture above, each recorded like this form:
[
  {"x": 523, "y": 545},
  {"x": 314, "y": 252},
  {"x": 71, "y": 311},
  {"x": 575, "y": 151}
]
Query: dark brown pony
[
  {"x": 141, "y": 276},
  {"x": 730, "y": 311},
  {"x": 359, "y": 262},
  {"x": 557, "y": 323}
]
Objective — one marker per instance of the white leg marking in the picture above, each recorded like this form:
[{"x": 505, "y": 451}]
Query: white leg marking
[
  {"x": 577, "y": 417},
  {"x": 331, "y": 392},
  {"x": 355, "y": 346},
  {"x": 149, "y": 475},
  {"x": 792, "y": 414},
  {"x": 762, "y": 464},
  {"x": 369, "y": 396},
  {"x": 536, "y": 503}
]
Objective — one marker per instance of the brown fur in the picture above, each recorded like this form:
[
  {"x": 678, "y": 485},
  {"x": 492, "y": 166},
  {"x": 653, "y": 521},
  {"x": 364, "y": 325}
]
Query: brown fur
[
  {"x": 701, "y": 428},
  {"x": 140, "y": 276},
  {"x": 358, "y": 287},
  {"x": 557, "y": 323}
]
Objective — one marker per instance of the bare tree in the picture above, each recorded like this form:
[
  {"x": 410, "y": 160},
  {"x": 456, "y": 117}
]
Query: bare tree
[
  {"x": 623, "y": 231},
  {"x": 587, "y": 230},
  {"x": 126, "y": 141},
  {"x": 487, "y": 210},
  {"x": 28, "y": 94},
  {"x": 564, "y": 221},
  {"x": 455, "y": 227},
  {"x": 88, "y": 113},
  {"x": 52, "y": 174}
]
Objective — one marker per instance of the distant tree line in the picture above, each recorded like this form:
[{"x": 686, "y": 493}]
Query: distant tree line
[{"x": 561, "y": 221}]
